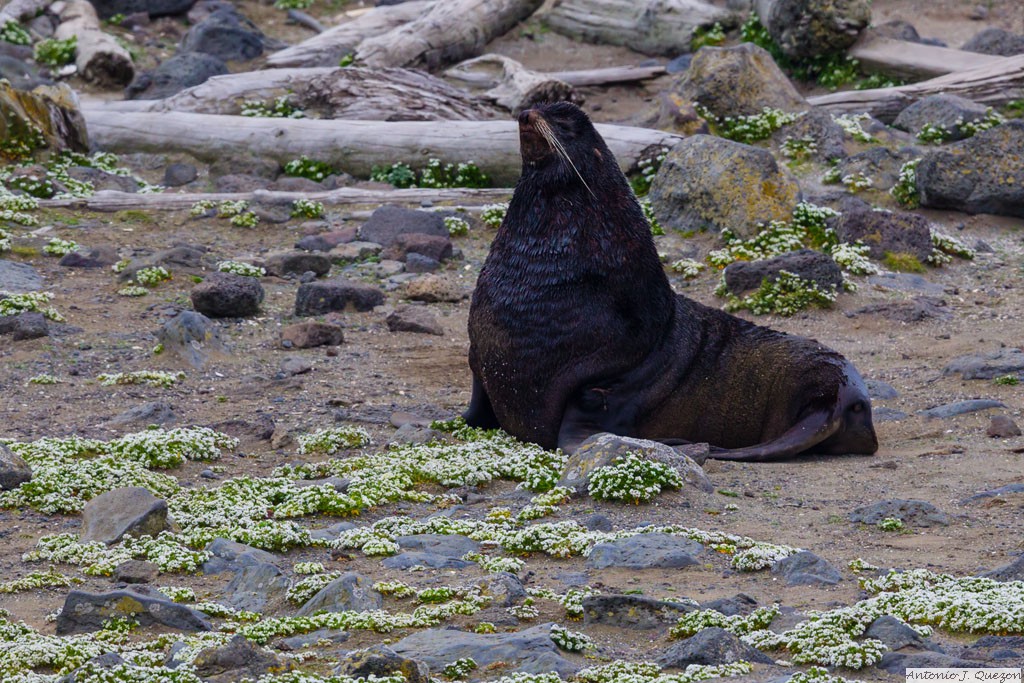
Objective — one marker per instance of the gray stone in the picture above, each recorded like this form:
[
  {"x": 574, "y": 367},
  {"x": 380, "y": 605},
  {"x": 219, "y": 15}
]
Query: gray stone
[
  {"x": 14, "y": 471},
  {"x": 906, "y": 282},
  {"x": 416, "y": 319},
  {"x": 946, "y": 111},
  {"x": 297, "y": 263},
  {"x": 744, "y": 276},
  {"x": 915, "y": 310},
  {"x": 351, "y": 591},
  {"x": 880, "y": 165},
  {"x": 96, "y": 257},
  {"x": 332, "y": 532},
  {"x": 433, "y": 288},
  {"x": 227, "y": 295},
  {"x": 336, "y": 294},
  {"x": 631, "y": 611},
  {"x": 136, "y": 571},
  {"x": 884, "y": 414},
  {"x": 413, "y": 433},
  {"x": 960, "y": 408},
  {"x": 19, "y": 278},
  {"x": 1008, "y": 489},
  {"x": 988, "y": 366},
  {"x": 996, "y": 651},
  {"x": 917, "y": 513},
  {"x": 298, "y": 642},
  {"x": 741, "y": 603},
  {"x": 646, "y": 551},
  {"x": 294, "y": 366},
  {"x": 899, "y": 662},
  {"x": 504, "y": 589},
  {"x": 601, "y": 450},
  {"x": 131, "y": 511},
  {"x": 896, "y": 634},
  {"x": 23, "y": 74},
  {"x": 442, "y": 544},
  {"x": 898, "y": 232},
  {"x": 84, "y": 612},
  {"x": 710, "y": 183},
  {"x": 238, "y": 659},
  {"x": 381, "y": 661},
  {"x": 225, "y": 34},
  {"x": 193, "y": 337},
  {"x": 311, "y": 334},
  {"x": 882, "y": 391},
  {"x": 175, "y": 74},
  {"x": 174, "y": 259},
  {"x": 982, "y": 174},
  {"x": 102, "y": 180},
  {"x": 529, "y": 651},
  {"x": 711, "y": 645},
  {"x": 154, "y": 8},
  {"x": 354, "y": 251},
  {"x": 436, "y": 247},
  {"x": 809, "y": 28},
  {"x": 419, "y": 558},
  {"x": 227, "y": 555},
  {"x": 388, "y": 222},
  {"x": 806, "y": 569},
  {"x": 150, "y": 413},
  {"x": 418, "y": 263},
  {"x": 818, "y": 125},
  {"x": 260, "y": 587},
  {"x": 1014, "y": 571},
  {"x": 1002, "y": 427},
  {"x": 996, "y": 41},
  {"x": 176, "y": 175},
  {"x": 325, "y": 241},
  {"x": 22, "y": 326}
]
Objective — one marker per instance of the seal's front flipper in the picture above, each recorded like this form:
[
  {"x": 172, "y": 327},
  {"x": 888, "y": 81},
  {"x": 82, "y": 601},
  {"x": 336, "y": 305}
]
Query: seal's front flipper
[
  {"x": 480, "y": 414},
  {"x": 803, "y": 436}
]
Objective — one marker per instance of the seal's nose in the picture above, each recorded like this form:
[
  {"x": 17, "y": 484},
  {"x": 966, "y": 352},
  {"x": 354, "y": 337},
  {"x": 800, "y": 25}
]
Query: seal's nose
[{"x": 526, "y": 116}]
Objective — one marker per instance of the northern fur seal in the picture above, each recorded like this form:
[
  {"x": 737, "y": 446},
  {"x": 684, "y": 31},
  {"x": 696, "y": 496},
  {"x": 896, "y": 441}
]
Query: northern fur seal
[{"x": 574, "y": 328}]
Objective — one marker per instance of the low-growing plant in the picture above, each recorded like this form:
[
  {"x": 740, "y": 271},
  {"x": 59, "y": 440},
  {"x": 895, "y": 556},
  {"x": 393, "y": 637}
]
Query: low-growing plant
[
  {"x": 707, "y": 35},
  {"x": 786, "y": 295},
  {"x": 434, "y": 174},
  {"x": 29, "y": 302},
  {"x": 1007, "y": 380},
  {"x": 633, "y": 478},
  {"x": 457, "y": 227},
  {"x": 278, "y": 108},
  {"x": 133, "y": 291},
  {"x": 493, "y": 214},
  {"x": 152, "y": 276},
  {"x": 59, "y": 247},
  {"x": 306, "y": 208},
  {"x": 246, "y": 219},
  {"x": 647, "y": 168},
  {"x": 330, "y": 441},
  {"x": 304, "y": 167},
  {"x": 570, "y": 641},
  {"x": 905, "y": 190},
  {"x": 850, "y": 123},
  {"x": 747, "y": 129},
  {"x": 155, "y": 378},
  {"x": 240, "y": 268},
  {"x": 902, "y": 262},
  {"x": 12, "y": 32},
  {"x": 55, "y": 52},
  {"x": 460, "y": 668},
  {"x": 40, "y": 188},
  {"x": 687, "y": 267},
  {"x": 13, "y": 208},
  {"x": 652, "y": 220},
  {"x": 890, "y": 524}
]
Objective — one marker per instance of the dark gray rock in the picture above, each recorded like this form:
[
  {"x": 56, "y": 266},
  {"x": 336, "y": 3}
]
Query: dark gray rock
[
  {"x": 227, "y": 555},
  {"x": 806, "y": 569},
  {"x": 1003, "y": 362},
  {"x": 226, "y": 35},
  {"x": 154, "y": 8},
  {"x": 175, "y": 74},
  {"x": 418, "y": 263},
  {"x": 741, "y": 603},
  {"x": 504, "y": 589},
  {"x": 22, "y": 74},
  {"x": 239, "y": 182},
  {"x": 14, "y": 471},
  {"x": 896, "y": 634},
  {"x": 960, "y": 408},
  {"x": 136, "y": 571},
  {"x": 528, "y": 651},
  {"x": 881, "y": 165},
  {"x": 388, "y": 222},
  {"x": 900, "y": 232},
  {"x": 899, "y": 662},
  {"x": 882, "y": 391},
  {"x": 598, "y": 522},
  {"x": 982, "y": 174},
  {"x": 744, "y": 276},
  {"x": 1014, "y": 571},
  {"x": 915, "y": 310},
  {"x": 227, "y": 295},
  {"x": 436, "y": 247},
  {"x": 297, "y": 263},
  {"x": 413, "y": 433},
  {"x": 946, "y": 111},
  {"x": 646, "y": 551},
  {"x": 351, "y": 591},
  {"x": 131, "y": 511},
  {"x": 442, "y": 544},
  {"x": 906, "y": 282},
  {"x": 85, "y": 612},
  {"x": 22, "y": 326},
  {"x": 809, "y": 28},
  {"x": 176, "y": 175},
  {"x": 416, "y": 319},
  {"x": 996, "y": 651},
  {"x": 1001, "y": 491},
  {"x": 311, "y": 334},
  {"x": 1002, "y": 427},
  {"x": 102, "y": 180},
  {"x": 182, "y": 257},
  {"x": 432, "y": 288},
  {"x": 332, "y": 532},
  {"x": 260, "y": 587},
  {"x": 19, "y": 278},
  {"x": 96, "y": 257},
  {"x": 995, "y": 41},
  {"x": 601, "y": 450},
  {"x": 704, "y": 184},
  {"x": 327, "y": 240},
  {"x": 381, "y": 661},
  {"x": 711, "y": 646},
  {"x": 419, "y": 558},
  {"x": 336, "y": 294},
  {"x": 818, "y": 125},
  {"x": 631, "y": 611},
  {"x": 193, "y": 337},
  {"x": 150, "y": 413},
  {"x": 884, "y": 414},
  {"x": 916, "y": 513},
  {"x": 239, "y": 659},
  {"x": 306, "y": 639}
]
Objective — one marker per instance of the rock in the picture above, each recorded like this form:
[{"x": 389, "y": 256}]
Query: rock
[
  {"x": 996, "y": 651},
  {"x": 600, "y": 450},
  {"x": 899, "y": 662},
  {"x": 442, "y": 544},
  {"x": 741, "y": 603},
  {"x": 22, "y": 326},
  {"x": 737, "y": 81},
  {"x": 982, "y": 174},
  {"x": 896, "y": 634},
  {"x": 916, "y": 310},
  {"x": 97, "y": 257},
  {"x": 906, "y": 282},
  {"x": 311, "y": 334},
  {"x": 880, "y": 165},
  {"x": 1013, "y": 571},
  {"x": 646, "y": 551},
  {"x": 294, "y": 366},
  {"x": 176, "y": 175},
  {"x": 14, "y": 471},
  {"x": 433, "y": 288},
  {"x": 150, "y": 413},
  {"x": 227, "y": 295},
  {"x": 297, "y": 263},
  {"x": 413, "y": 319},
  {"x": 183, "y": 70},
  {"x": 631, "y": 611},
  {"x": 182, "y": 257},
  {"x": 226, "y": 35},
  {"x": 1002, "y": 427},
  {"x": 136, "y": 571},
  {"x": 22, "y": 74},
  {"x": 336, "y": 294},
  {"x": 381, "y": 661},
  {"x": 85, "y": 612},
  {"x": 388, "y": 222},
  {"x": 351, "y": 591},
  {"x": 528, "y": 651},
  {"x": 239, "y": 182},
  {"x": 879, "y": 390},
  {"x": 916, "y": 513},
  {"x": 418, "y": 263},
  {"x": 191, "y": 336},
  {"x": 259, "y": 587},
  {"x": 819, "y": 126},
  {"x": 744, "y": 276},
  {"x": 327, "y": 240},
  {"x": 884, "y": 414},
  {"x": 333, "y": 531},
  {"x": 504, "y": 589},
  {"x": 995, "y": 41},
  {"x": 946, "y": 111},
  {"x": 355, "y": 251},
  {"x": 232, "y": 556},
  {"x": 306, "y": 639},
  {"x": 154, "y": 8},
  {"x": 960, "y": 408},
  {"x": 435, "y": 247},
  {"x": 19, "y": 278},
  {"x": 415, "y": 434},
  {"x": 131, "y": 511},
  {"x": 898, "y": 232},
  {"x": 710, "y": 183},
  {"x": 239, "y": 659},
  {"x": 806, "y": 569},
  {"x": 711, "y": 645},
  {"x": 102, "y": 180},
  {"x": 418, "y": 558},
  {"x": 808, "y": 28},
  {"x": 1009, "y": 361}
]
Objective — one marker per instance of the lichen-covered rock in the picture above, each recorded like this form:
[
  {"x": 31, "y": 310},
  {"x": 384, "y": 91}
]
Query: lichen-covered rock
[
  {"x": 84, "y": 612},
  {"x": 239, "y": 659},
  {"x": 381, "y": 661},
  {"x": 806, "y": 569},
  {"x": 260, "y": 587},
  {"x": 193, "y": 337},
  {"x": 744, "y": 276},
  {"x": 818, "y": 126},
  {"x": 880, "y": 165},
  {"x": 351, "y": 591},
  {"x": 808, "y": 28},
  {"x": 996, "y": 41},
  {"x": 646, "y": 551},
  {"x": 898, "y": 232},
  {"x": 14, "y": 471},
  {"x": 130, "y": 511},
  {"x": 600, "y": 450},
  {"x": 948, "y": 112},
  {"x": 47, "y": 117},
  {"x": 982, "y": 174},
  {"x": 433, "y": 288},
  {"x": 711, "y": 645},
  {"x": 632, "y": 611},
  {"x": 709, "y": 183}
]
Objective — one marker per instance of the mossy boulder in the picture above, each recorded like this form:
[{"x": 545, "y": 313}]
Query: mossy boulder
[
  {"x": 809, "y": 28},
  {"x": 884, "y": 232},
  {"x": 45, "y": 118},
  {"x": 709, "y": 183}
]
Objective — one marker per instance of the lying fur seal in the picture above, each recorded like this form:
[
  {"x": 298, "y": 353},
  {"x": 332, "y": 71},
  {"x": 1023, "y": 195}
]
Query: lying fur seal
[{"x": 574, "y": 328}]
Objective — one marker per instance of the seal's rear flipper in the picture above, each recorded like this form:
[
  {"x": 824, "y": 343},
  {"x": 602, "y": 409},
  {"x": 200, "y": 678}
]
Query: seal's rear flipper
[
  {"x": 803, "y": 436},
  {"x": 480, "y": 414}
]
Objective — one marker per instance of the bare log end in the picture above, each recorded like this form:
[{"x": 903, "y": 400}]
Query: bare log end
[{"x": 108, "y": 69}]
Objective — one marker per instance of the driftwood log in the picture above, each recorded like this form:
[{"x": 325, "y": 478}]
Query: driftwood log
[
  {"x": 351, "y": 146},
  {"x": 654, "y": 27},
  {"x": 509, "y": 84},
  {"x": 448, "y": 32},
  {"x": 98, "y": 57},
  {"x": 914, "y": 61},
  {"x": 995, "y": 84},
  {"x": 609, "y": 75},
  {"x": 329, "y": 93},
  {"x": 327, "y": 48},
  {"x": 16, "y": 10}
]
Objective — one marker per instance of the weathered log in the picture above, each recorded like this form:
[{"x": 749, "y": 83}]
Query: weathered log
[
  {"x": 99, "y": 58},
  {"x": 449, "y": 32},
  {"x": 914, "y": 61},
  {"x": 351, "y": 146},
  {"x": 16, "y": 10},
  {"x": 509, "y": 84},
  {"x": 809, "y": 28},
  {"x": 302, "y": 19},
  {"x": 995, "y": 84},
  {"x": 111, "y": 200},
  {"x": 654, "y": 27},
  {"x": 327, "y": 48},
  {"x": 609, "y": 75},
  {"x": 328, "y": 93}
]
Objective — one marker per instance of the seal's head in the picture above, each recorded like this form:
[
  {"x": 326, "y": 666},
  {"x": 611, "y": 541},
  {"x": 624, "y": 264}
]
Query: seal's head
[{"x": 559, "y": 142}]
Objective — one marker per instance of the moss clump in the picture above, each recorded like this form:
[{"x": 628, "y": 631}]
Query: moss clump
[{"x": 902, "y": 262}]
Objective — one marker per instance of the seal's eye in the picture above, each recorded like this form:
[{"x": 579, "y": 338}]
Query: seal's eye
[{"x": 857, "y": 407}]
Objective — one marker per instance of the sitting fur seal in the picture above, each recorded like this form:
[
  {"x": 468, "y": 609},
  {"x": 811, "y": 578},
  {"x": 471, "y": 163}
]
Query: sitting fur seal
[{"x": 574, "y": 328}]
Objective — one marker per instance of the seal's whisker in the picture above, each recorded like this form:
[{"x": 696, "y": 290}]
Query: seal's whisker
[{"x": 549, "y": 135}]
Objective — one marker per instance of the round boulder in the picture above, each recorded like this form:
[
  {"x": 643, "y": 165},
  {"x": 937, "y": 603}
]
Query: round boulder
[{"x": 227, "y": 295}]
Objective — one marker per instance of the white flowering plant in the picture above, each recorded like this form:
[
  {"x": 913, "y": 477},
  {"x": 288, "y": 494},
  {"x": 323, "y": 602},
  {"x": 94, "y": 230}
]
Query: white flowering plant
[{"x": 633, "y": 479}]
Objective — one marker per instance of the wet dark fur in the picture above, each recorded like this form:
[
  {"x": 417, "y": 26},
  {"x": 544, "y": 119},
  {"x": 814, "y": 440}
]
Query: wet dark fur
[{"x": 574, "y": 328}]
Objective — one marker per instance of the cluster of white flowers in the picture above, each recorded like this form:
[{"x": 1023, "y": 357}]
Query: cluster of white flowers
[
  {"x": 649, "y": 672},
  {"x": 687, "y": 267},
  {"x": 398, "y": 589},
  {"x": 239, "y": 268},
  {"x": 152, "y": 276},
  {"x": 905, "y": 189},
  {"x": 301, "y": 591},
  {"x": 856, "y": 182},
  {"x": 692, "y": 622},
  {"x": 278, "y": 108},
  {"x": 154, "y": 378},
  {"x": 570, "y": 641},
  {"x": 460, "y": 668},
  {"x": 787, "y": 295},
  {"x": 513, "y": 565},
  {"x": 633, "y": 479},
  {"x": 307, "y": 208},
  {"x": 26, "y": 302},
  {"x": 748, "y": 129},
  {"x": 330, "y": 441},
  {"x": 50, "y": 577},
  {"x": 799, "y": 149},
  {"x": 493, "y": 214},
  {"x": 457, "y": 227},
  {"x": 13, "y": 208},
  {"x": 946, "y": 247},
  {"x": 44, "y": 379},
  {"x": 59, "y": 247},
  {"x": 178, "y": 593},
  {"x": 853, "y": 258},
  {"x": 850, "y": 123}
]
